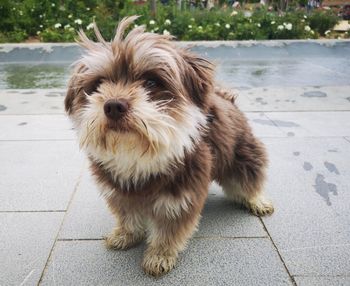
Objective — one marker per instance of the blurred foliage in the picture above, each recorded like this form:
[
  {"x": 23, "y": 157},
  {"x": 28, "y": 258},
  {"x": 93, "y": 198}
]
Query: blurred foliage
[{"x": 58, "y": 20}]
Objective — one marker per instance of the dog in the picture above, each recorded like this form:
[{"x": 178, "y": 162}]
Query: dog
[{"x": 157, "y": 130}]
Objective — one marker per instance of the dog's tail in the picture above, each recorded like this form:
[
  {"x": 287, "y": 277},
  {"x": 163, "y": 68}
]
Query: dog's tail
[{"x": 227, "y": 94}]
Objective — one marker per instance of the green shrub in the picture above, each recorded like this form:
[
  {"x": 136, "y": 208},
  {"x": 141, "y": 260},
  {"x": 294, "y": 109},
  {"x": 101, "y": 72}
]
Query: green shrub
[
  {"x": 57, "y": 21},
  {"x": 321, "y": 21}
]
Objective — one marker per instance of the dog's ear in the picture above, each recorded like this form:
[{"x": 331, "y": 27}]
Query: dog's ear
[
  {"x": 73, "y": 90},
  {"x": 198, "y": 77}
]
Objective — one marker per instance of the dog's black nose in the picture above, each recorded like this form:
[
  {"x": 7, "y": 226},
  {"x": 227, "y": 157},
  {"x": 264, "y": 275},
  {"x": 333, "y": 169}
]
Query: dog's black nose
[{"x": 115, "y": 109}]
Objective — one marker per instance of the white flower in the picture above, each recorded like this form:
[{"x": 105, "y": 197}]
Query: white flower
[
  {"x": 234, "y": 13},
  {"x": 40, "y": 16},
  {"x": 38, "y": 32},
  {"x": 327, "y": 32},
  {"x": 152, "y": 22},
  {"x": 227, "y": 26},
  {"x": 78, "y": 21},
  {"x": 200, "y": 28},
  {"x": 152, "y": 31},
  {"x": 90, "y": 26},
  {"x": 87, "y": 8},
  {"x": 273, "y": 22},
  {"x": 258, "y": 25},
  {"x": 312, "y": 32},
  {"x": 71, "y": 29},
  {"x": 192, "y": 19},
  {"x": 58, "y": 25},
  {"x": 289, "y": 26},
  {"x": 156, "y": 28},
  {"x": 167, "y": 22},
  {"x": 70, "y": 16},
  {"x": 135, "y": 26},
  {"x": 307, "y": 28},
  {"x": 166, "y": 32},
  {"x": 305, "y": 17},
  {"x": 280, "y": 27},
  {"x": 190, "y": 26},
  {"x": 20, "y": 13},
  {"x": 53, "y": 5},
  {"x": 40, "y": 26},
  {"x": 302, "y": 20},
  {"x": 217, "y": 24}
]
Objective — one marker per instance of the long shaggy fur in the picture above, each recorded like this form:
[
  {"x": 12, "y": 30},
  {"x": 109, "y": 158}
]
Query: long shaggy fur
[{"x": 180, "y": 132}]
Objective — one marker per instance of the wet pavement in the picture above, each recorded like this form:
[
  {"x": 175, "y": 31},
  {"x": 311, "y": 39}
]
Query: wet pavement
[{"x": 296, "y": 96}]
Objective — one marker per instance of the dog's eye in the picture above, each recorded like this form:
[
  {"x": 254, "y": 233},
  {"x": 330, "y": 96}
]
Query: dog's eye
[
  {"x": 89, "y": 90},
  {"x": 151, "y": 83}
]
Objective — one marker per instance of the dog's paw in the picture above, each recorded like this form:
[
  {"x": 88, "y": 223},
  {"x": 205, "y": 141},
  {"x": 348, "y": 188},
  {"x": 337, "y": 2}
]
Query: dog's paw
[
  {"x": 260, "y": 206},
  {"x": 119, "y": 239},
  {"x": 158, "y": 264}
]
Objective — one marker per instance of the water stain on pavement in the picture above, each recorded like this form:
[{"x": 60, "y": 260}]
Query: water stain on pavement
[
  {"x": 24, "y": 102},
  {"x": 348, "y": 98},
  {"x": 52, "y": 95},
  {"x": 2, "y": 107},
  {"x": 324, "y": 189},
  {"x": 307, "y": 166},
  {"x": 28, "y": 92},
  {"x": 315, "y": 93},
  {"x": 331, "y": 167},
  {"x": 22, "y": 123},
  {"x": 260, "y": 100},
  {"x": 280, "y": 123},
  {"x": 333, "y": 150},
  {"x": 290, "y": 134},
  {"x": 296, "y": 153}
]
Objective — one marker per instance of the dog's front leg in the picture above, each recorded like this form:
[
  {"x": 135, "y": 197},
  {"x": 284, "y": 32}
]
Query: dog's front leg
[
  {"x": 173, "y": 222},
  {"x": 129, "y": 230}
]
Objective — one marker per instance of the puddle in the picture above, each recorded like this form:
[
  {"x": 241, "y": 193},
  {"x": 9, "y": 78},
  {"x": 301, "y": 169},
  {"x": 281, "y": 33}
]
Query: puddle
[
  {"x": 324, "y": 189},
  {"x": 331, "y": 168}
]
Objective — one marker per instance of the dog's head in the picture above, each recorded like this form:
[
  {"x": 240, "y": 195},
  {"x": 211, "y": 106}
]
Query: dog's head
[{"x": 139, "y": 100}]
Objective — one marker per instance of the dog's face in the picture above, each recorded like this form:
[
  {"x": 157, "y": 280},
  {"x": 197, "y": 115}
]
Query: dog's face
[{"x": 138, "y": 102}]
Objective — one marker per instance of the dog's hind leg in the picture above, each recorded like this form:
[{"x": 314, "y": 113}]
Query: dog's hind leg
[{"x": 243, "y": 182}]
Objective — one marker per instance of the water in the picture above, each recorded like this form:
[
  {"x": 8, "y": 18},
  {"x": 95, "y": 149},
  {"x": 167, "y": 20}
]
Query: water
[{"x": 241, "y": 65}]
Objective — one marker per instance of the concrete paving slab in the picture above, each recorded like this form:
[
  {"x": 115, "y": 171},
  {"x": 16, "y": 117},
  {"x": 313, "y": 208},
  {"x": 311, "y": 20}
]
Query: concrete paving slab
[
  {"x": 314, "y": 98},
  {"x": 308, "y": 182},
  {"x": 38, "y": 175},
  {"x": 36, "y": 127},
  {"x": 205, "y": 262},
  {"x": 89, "y": 218},
  {"x": 310, "y": 124},
  {"x": 31, "y": 101},
  {"x": 26, "y": 240},
  {"x": 322, "y": 281}
]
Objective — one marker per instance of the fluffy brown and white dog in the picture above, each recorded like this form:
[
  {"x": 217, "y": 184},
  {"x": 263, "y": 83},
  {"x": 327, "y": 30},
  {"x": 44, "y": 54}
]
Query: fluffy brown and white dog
[{"x": 157, "y": 131}]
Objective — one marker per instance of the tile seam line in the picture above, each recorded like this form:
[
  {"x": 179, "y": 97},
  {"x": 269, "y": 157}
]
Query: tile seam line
[
  {"x": 320, "y": 276},
  {"x": 195, "y": 237},
  {"x": 278, "y": 253},
  {"x": 33, "y": 211},
  {"x": 294, "y": 111},
  {"x": 37, "y": 140},
  {"x": 346, "y": 139},
  {"x": 62, "y": 222}
]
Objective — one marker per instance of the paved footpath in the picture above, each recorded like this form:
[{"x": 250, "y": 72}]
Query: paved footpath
[{"x": 52, "y": 219}]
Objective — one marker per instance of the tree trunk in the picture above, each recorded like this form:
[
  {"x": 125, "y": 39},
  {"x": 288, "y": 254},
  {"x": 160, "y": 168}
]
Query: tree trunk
[{"x": 153, "y": 7}]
